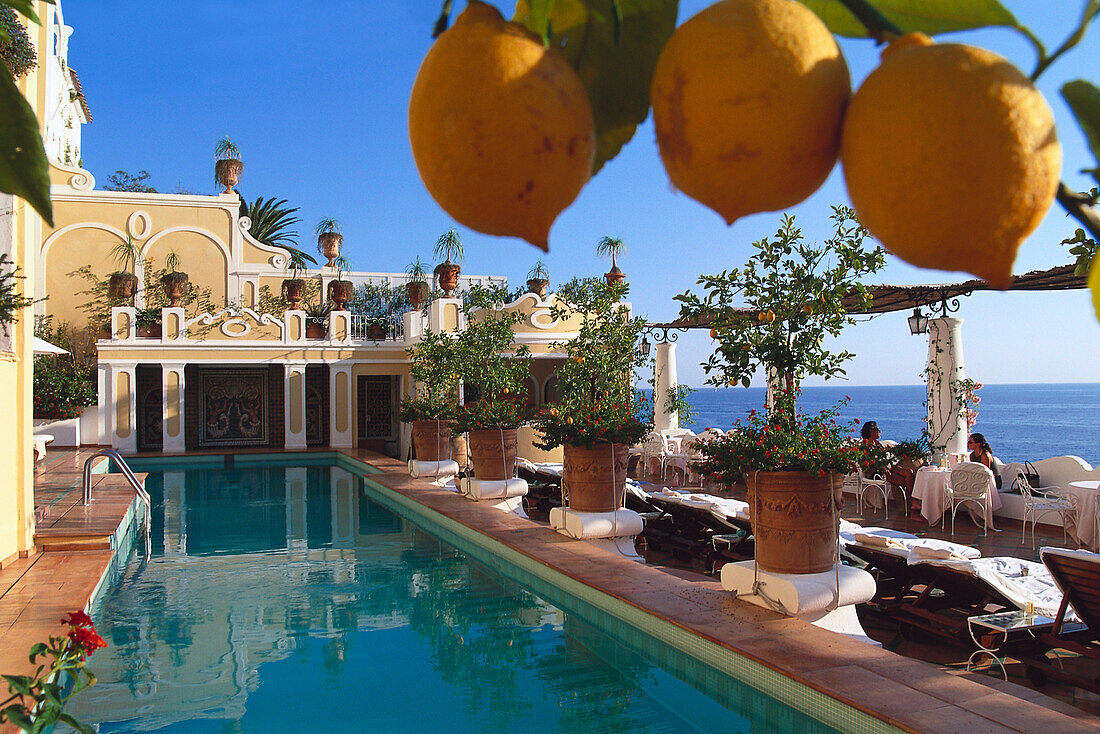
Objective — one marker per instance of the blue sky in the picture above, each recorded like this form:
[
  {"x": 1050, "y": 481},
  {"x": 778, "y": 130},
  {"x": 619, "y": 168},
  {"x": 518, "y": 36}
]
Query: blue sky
[{"x": 316, "y": 96}]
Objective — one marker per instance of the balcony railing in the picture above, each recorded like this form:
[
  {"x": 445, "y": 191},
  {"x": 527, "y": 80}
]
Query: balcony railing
[{"x": 365, "y": 328}]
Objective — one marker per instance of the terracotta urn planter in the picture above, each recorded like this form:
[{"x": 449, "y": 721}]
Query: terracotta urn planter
[
  {"x": 227, "y": 172},
  {"x": 431, "y": 440},
  {"x": 315, "y": 330},
  {"x": 614, "y": 275},
  {"x": 121, "y": 286},
  {"x": 150, "y": 331},
  {"x": 292, "y": 292},
  {"x": 448, "y": 276},
  {"x": 377, "y": 331},
  {"x": 330, "y": 244},
  {"x": 794, "y": 520},
  {"x": 175, "y": 285},
  {"x": 538, "y": 286},
  {"x": 595, "y": 478},
  {"x": 339, "y": 292},
  {"x": 494, "y": 452},
  {"x": 418, "y": 293}
]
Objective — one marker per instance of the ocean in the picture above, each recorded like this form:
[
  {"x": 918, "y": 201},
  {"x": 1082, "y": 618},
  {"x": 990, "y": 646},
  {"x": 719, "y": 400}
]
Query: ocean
[{"x": 1021, "y": 422}]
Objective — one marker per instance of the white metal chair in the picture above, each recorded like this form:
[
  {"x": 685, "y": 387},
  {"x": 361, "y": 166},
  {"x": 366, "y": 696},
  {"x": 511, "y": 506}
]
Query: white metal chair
[
  {"x": 654, "y": 447},
  {"x": 876, "y": 482},
  {"x": 1043, "y": 501},
  {"x": 968, "y": 482},
  {"x": 689, "y": 446}
]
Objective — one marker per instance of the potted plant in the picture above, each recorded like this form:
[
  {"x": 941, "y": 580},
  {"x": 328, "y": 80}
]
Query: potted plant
[
  {"x": 493, "y": 370},
  {"x": 538, "y": 277},
  {"x": 317, "y": 320},
  {"x": 295, "y": 287},
  {"x": 417, "y": 286},
  {"x": 329, "y": 240},
  {"x": 148, "y": 323},
  {"x": 600, "y": 415},
  {"x": 449, "y": 247},
  {"x": 340, "y": 291},
  {"x": 122, "y": 283},
  {"x": 612, "y": 247},
  {"x": 173, "y": 281},
  {"x": 773, "y": 316},
  {"x": 228, "y": 166},
  {"x": 793, "y": 465},
  {"x": 435, "y": 395}
]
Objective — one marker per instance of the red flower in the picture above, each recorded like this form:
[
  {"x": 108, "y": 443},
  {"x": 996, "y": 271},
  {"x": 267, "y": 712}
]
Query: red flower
[
  {"x": 86, "y": 640},
  {"x": 78, "y": 619}
]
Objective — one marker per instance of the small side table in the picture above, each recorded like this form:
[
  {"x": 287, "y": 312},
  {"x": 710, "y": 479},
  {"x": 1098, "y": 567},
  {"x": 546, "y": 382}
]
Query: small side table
[{"x": 1006, "y": 624}]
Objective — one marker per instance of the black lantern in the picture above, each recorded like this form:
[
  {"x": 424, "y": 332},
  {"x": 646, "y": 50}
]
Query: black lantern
[{"x": 918, "y": 322}]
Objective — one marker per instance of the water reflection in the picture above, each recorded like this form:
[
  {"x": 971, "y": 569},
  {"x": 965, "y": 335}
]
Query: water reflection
[{"x": 280, "y": 598}]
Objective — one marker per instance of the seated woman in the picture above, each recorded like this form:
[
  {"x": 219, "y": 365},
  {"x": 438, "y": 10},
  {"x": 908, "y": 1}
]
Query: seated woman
[
  {"x": 904, "y": 478},
  {"x": 982, "y": 453}
]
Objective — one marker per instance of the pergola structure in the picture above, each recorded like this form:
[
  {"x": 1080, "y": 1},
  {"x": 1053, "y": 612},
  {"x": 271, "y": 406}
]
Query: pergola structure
[{"x": 945, "y": 364}]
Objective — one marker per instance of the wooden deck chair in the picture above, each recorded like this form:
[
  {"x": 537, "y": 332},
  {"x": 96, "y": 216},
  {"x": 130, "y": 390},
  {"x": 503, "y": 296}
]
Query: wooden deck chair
[{"x": 1077, "y": 574}]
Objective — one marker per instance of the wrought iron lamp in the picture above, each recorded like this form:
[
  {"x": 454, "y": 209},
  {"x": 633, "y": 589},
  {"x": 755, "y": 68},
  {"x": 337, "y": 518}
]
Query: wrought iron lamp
[{"x": 918, "y": 322}]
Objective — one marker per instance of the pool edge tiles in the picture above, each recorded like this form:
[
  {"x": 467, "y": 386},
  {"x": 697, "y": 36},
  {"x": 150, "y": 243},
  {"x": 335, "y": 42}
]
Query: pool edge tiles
[{"x": 774, "y": 684}]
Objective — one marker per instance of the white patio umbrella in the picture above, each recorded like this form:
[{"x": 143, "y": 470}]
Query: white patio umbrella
[{"x": 41, "y": 346}]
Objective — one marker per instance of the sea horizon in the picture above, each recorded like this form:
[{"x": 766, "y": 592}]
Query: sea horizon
[{"x": 1021, "y": 421}]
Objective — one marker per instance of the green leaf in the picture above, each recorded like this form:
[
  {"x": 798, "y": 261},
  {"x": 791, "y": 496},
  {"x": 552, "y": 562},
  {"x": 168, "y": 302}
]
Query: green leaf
[
  {"x": 78, "y": 725},
  {"x": 928, "y": 16},
  {"x": 26, "y": 7},
  {"x": 23, "y": 170},
  {"x": 37, "y": 649},
  {"x": 18, "y": 715},
  {"x": 20, "y": 684},
  {"x": 1084, "y": 99},
  {"x": 616, "y": 73}
]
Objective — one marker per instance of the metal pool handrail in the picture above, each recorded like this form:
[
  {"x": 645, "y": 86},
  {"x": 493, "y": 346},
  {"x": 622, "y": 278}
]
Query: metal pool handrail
[{"x": 123, "y": 467}]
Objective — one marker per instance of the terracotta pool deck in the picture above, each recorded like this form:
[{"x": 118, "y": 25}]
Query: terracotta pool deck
[{"x": 910, "y": 694}]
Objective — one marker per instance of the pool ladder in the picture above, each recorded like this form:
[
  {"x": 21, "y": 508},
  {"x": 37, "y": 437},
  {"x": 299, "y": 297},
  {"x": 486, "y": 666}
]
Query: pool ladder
[{"x": 123, "y": 467}]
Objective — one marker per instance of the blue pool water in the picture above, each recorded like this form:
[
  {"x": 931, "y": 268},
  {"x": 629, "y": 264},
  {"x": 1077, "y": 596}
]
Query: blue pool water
[{"x": 283, "y": 598}]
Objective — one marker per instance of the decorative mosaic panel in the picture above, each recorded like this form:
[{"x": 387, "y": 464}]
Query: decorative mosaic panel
[{"x": 232, "y": 409}]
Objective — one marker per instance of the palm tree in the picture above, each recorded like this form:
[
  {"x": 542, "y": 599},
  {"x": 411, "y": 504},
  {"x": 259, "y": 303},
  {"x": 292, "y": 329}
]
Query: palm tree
[
  {"x": 610, "y": 246},
  {"x": 272, "y": 222}
]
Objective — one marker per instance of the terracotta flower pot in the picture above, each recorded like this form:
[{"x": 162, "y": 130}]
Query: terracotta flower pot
[
  {"x": 537, "y": 286},
  {"x": 448, "y": 276},
  {"x": 794, "y": 521},
  {"x": 418, "y": 293},
  {"x": 150, "y": 331},
  {"x": 227, "y": 172},
  {"x": 431, "y": 440},
  {"x": 315, "y": 330},
  {"x": 593, "y": 481},
  {"x": 339, "y": 292},
  {"x": 614, "y": 275},
  {"x": 175, "y": 285},
  {"x": 494, "y": 452},
  {"x": 330, "y": 244},
  {"x": 292, "y": 292},
  {"x": 121, "y": 286}
]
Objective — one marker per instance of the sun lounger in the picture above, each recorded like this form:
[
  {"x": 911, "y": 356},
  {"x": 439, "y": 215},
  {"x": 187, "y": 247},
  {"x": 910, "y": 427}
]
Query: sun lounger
[
  {"x": 705, "y": 530},
  {"x": 1076, "y": 625},
  {"x": 543, "y": 487},
  {"x": 936, "y": 585}
]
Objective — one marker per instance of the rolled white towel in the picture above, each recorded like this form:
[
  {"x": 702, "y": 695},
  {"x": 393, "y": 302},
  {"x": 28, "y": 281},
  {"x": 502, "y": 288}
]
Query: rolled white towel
[
  {"x": 445, "y": 468},
  {"x": 493, "y": 489},
  {"x": 586, "y": 525},
  {"x": 877, "y": 541}
]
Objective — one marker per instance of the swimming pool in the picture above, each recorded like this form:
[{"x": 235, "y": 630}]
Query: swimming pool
[{"x": 286, "y": 598}]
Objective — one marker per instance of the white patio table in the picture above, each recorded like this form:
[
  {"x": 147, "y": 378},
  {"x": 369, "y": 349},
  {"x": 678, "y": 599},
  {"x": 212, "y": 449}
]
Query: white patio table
[
  {"x": 929, "y": 488},
  {"x": 1084, "y": 496}
]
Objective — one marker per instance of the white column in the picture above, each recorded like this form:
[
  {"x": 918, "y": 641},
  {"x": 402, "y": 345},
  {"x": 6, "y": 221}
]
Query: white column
[
  {"x": 123, "y": 406},
  {"x": 104, "y": 414},
  {"x": 664, "y": 370},
  {"x": 340, "y": 429},
  {"x": 344, "y": 499},
  {"x": 173, "y": 420},
  {"x": 946, "y": 420},
  {"x": 294, "y": 405}
]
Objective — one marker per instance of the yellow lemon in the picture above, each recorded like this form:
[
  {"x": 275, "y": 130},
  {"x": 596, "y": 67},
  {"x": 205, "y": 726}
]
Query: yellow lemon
[
  {"x": 714, "y": 333},
  {"x": 501, "y": 127},
  {"x": 950, "y": 156},
  {"x": 807, "y": 309},
  {"x": 748, "y": 99}
]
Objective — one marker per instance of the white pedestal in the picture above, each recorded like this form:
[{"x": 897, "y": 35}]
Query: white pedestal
[
  {"x": 611, "y": 531},
  {"x": 487, "y": 489},
  {"x": 65, "y": 431},
  {"x": 812, "y": 597},
  {"x": 433, "y": 469}
]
